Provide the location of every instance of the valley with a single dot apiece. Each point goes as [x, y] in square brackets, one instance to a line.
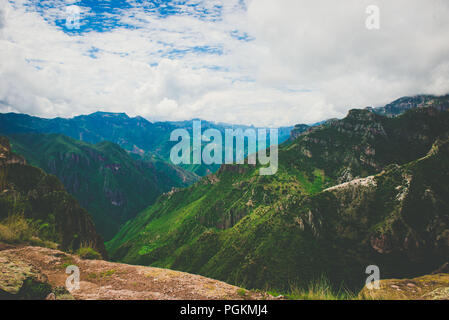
[368, 189]
[273, 231]
[104, 178]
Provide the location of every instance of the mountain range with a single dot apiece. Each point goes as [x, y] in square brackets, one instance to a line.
[367, 189]
[114, 165]
[140, 137]
[104, 178]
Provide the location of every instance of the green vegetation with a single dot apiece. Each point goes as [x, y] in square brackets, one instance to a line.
[301, 231]
[104, 179]
[35, 208]
[101, 275]
[241, 292]
[67, 261]
[145, 140]
[87, 252]
[34, 290]
[272, 231]
[17, 229]
[320, 289]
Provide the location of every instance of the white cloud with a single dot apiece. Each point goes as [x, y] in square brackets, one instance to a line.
[307, 60]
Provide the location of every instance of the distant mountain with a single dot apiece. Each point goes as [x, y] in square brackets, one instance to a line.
[50, 213]
[290, 228]
[393, 109]
[401, 105]
[298, 130]
[143, 138]
[104, 178]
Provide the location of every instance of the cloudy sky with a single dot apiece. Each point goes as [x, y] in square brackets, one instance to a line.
[261, 62]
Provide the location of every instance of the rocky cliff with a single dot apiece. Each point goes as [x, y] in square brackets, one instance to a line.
[404, 104]
[40, 201]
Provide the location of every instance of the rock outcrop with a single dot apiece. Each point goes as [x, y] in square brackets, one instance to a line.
[298, 130]
[429, 287]
[28, 192]
[41, 273]
[406, 103]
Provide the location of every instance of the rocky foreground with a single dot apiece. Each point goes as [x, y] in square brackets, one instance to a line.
[40, 273]
[429, 287]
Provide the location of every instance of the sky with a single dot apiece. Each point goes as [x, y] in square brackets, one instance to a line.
[255, 62]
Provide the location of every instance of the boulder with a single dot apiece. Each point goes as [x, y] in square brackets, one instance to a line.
[429, 287]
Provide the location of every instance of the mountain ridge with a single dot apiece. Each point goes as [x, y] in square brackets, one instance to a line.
[239, 227]
[104, 178]
[138, 136]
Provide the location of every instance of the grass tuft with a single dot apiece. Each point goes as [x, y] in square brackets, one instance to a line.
[320, 289]
[87, 252]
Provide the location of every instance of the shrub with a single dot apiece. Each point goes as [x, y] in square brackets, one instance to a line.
[34, 290]
[16, 228]
[241, 292]
[6, 234]
[88, 253]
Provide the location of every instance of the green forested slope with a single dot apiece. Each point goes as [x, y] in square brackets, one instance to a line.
[106, 181]
[142, 138]
[35, 207]
[274, 231]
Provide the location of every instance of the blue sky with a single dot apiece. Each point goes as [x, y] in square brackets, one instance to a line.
[104, 16]
[261, 62]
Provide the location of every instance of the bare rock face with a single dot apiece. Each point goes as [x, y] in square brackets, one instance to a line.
[6, 156]
[21, 280]
[381, 243]
[298, 130]
[406, 103]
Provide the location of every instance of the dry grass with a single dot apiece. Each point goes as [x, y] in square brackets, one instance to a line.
[17, 229]
[6, 234]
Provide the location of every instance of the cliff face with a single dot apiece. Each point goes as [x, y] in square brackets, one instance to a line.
[363, 143]
[298, 130]
[398, 219]
[366, 140]
[6, 156]
[41, 199]
[406, 103]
